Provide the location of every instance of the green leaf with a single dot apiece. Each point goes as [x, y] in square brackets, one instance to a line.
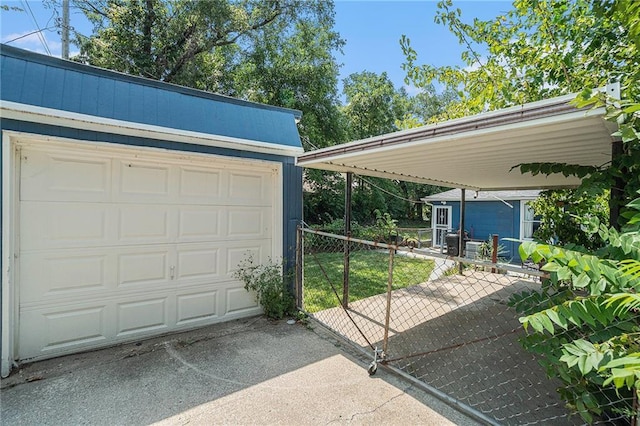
[584, 345]
[564, 273]
[550, 267]
[628, 134]
[556, 318]
[580, 311]
[546, 323]
[631, 109]
[582, 280]
[566, 313]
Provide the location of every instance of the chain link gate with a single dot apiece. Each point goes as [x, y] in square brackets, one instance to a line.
[451, 328]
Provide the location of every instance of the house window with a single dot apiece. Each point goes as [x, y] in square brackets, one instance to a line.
[530, 222]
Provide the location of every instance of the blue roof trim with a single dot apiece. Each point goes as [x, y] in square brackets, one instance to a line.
[49, 82]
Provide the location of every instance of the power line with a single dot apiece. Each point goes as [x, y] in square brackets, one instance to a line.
[35, 21]
[28, 34]
[387, 192]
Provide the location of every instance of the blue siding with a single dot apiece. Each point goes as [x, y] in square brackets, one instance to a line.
[485, 218]
[49, 82]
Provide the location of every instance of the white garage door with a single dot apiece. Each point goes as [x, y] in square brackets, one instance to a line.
[117, 244]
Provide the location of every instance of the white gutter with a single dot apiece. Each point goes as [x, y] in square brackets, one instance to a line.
[35, 114]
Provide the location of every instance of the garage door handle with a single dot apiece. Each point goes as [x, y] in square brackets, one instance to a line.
[173, 270]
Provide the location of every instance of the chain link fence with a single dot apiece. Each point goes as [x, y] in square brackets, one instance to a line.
[447, 322]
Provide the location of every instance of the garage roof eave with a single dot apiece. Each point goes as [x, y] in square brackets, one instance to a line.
[30, 113]
[481, 151]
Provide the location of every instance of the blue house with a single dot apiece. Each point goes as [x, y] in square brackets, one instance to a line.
[504, 213]
[127, 203]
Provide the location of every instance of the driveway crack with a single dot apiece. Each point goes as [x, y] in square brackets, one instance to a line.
[364, 413]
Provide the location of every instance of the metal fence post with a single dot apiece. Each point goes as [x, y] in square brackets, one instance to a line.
[299, 268]
[347, 233]
[385, 342]
[494, 251]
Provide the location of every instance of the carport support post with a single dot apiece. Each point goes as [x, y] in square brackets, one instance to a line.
[347, 233]
[494, 251]
[461, 242]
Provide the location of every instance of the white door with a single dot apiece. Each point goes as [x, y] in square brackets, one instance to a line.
[441, 223]
[116, 244]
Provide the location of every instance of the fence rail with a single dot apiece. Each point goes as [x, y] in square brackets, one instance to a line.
[447, 322]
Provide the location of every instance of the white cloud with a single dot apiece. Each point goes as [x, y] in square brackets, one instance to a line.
[29, 40]
[412, 90]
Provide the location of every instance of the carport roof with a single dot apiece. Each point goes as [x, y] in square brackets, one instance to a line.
[479, 152]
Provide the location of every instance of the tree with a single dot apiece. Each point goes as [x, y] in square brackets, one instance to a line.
[531, 53]
[374, 107]
[568, 217]
[426, 106]
[292, 65]
[528, 54]
[585, 322]
[179, 41]
[373, 104]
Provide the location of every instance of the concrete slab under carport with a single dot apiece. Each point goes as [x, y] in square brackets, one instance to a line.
[251, 371]
[457, 334]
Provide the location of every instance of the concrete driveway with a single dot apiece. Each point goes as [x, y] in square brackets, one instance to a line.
[251, 371]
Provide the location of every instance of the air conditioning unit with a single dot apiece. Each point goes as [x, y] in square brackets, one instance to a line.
[472, 249]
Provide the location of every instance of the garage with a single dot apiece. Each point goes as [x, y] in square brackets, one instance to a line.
[114, 247]
[123, 224]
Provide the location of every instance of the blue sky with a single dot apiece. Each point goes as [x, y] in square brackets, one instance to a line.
[371, 29]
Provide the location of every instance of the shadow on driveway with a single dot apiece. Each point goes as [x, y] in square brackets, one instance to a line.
[250, 371]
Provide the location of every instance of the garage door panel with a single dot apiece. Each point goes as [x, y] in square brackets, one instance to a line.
[198, 223]
[143, 267]
[142, 316]
[249, 188]
[62, 330]
[199, 185]
[238, 300]
[59, 177]
[63, 275]
[258, 251]
[142, 182]
[145, 224]
[47, 225]
[197, 307]
[248, 222]
[198, 264]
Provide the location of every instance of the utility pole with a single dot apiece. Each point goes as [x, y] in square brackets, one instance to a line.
[65, 29]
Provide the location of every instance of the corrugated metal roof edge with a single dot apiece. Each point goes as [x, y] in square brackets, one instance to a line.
[18, 53]
[516, 114]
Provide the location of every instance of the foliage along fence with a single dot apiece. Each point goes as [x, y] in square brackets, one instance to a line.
[456, 326]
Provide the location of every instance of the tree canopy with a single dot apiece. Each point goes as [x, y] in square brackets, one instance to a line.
[536, 50]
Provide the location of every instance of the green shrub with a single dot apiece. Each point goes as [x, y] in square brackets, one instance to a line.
[270, 285]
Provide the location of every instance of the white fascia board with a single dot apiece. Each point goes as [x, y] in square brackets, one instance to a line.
[31, 113]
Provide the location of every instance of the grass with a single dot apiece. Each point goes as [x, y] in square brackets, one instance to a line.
[368, 276]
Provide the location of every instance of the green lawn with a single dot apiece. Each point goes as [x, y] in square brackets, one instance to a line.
[368, 276]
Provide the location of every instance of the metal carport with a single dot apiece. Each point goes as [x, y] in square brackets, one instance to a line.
[480, 151]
